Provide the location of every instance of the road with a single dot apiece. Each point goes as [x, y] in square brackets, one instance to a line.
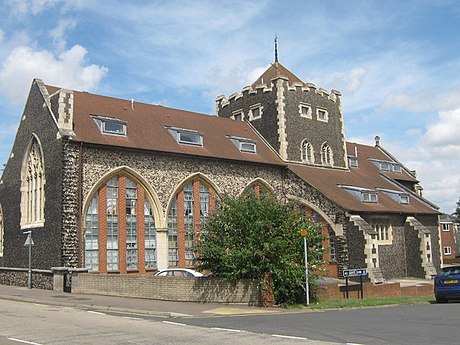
[35, 324]
[423, 324]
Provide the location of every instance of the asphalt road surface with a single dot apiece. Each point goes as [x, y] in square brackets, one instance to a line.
[423, 324]
[36, 324]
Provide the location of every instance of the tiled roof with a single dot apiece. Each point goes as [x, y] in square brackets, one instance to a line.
[366, 175]
[146, 129]
[275, 70]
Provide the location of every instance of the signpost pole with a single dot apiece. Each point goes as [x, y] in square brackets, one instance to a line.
[304, 234]
[29, 243]
[306, 270]
[362, 289]
[346, 287]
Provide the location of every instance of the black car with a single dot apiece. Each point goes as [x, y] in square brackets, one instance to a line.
[447, 284]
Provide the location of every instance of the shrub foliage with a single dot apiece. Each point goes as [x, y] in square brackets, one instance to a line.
[249, 236]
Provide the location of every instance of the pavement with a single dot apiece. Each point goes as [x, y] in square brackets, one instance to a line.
[164, 309]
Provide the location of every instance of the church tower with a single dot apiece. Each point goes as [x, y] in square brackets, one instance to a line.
[302, 123]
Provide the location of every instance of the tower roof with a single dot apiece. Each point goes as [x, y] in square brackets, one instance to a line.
[276, 70]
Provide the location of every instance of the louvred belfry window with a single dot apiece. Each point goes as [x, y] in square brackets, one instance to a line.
[120, 233]
[190, 208]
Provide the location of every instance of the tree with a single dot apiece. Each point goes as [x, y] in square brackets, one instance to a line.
[456, 214]
[248, 237]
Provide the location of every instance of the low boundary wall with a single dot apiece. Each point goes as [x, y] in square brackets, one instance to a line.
[41, 279]
[370, 290]
[187, 289]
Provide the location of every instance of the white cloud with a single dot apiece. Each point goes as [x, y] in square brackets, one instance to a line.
[67, 69]
[34, 7]
[444, 132]
[58, 33]
[436, 157]
[351, 81]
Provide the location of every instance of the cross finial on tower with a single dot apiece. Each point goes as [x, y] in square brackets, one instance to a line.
[276, 48]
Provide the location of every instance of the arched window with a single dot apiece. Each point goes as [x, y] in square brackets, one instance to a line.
[189, 208]
[2, 232]
[120, 232]
[307, 152]
[33, 186]
[258, 189]
[326, 155]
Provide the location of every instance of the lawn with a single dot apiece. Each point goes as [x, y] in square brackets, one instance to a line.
[368, 302]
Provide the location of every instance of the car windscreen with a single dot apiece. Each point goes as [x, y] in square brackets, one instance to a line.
[450, 271]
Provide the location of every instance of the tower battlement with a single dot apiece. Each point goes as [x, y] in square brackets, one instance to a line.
[302, 122]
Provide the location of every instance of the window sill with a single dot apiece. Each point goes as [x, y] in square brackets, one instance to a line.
[33, 225]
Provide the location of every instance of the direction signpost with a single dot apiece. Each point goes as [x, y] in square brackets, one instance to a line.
[29, 243]
[357, 272]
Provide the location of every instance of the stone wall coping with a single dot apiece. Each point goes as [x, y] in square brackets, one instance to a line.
[19, 269]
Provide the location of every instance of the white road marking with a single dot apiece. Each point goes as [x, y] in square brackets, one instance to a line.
[96, 312]
[131, 318]
[227, 329]
[175, 323]
[24, 341]
[40, 305]
[288, 337]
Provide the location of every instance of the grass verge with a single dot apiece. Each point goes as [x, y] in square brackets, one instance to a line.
[365, 302]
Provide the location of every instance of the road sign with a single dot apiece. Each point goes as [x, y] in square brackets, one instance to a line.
[357, 272]
[303, 233]
[29, 241]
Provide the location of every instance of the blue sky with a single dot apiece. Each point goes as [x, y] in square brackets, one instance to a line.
[397, 63]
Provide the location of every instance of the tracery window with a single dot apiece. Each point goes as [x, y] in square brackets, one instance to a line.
[307, 152]
[120, 233]
[33, 187]
[326, 155]
[190, 208]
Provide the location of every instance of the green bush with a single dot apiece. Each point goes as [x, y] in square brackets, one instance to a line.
[249, 236]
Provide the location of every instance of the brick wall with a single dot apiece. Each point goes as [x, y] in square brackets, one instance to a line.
[334, 290]
[186, 289]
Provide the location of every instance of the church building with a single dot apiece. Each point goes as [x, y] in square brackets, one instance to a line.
[117, 186]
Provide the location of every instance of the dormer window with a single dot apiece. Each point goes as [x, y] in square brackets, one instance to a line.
[386, 165]
[352, 161]
[305, 110]
[363, 194]
[186, 136]
[367, 196]
[322, 115]
[255, 112]
[398, 196]
[110, 126]
[243, 144]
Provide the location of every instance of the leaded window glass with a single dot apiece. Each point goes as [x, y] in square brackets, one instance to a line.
[150, 236]
[173, 252]
[92, 236]
[131, 225]
[112, 224]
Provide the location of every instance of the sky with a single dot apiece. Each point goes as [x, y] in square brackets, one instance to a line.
[396, 63]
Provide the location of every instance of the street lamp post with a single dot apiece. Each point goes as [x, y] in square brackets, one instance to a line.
[304, 234]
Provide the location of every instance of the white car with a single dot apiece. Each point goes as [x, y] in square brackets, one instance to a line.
[178, 272]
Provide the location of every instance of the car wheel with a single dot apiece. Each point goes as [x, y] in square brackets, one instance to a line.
[440, 300]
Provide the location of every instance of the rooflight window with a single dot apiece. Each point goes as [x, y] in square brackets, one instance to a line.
[190, 138]
[110, 126]
[243, 144]
[186, 136]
